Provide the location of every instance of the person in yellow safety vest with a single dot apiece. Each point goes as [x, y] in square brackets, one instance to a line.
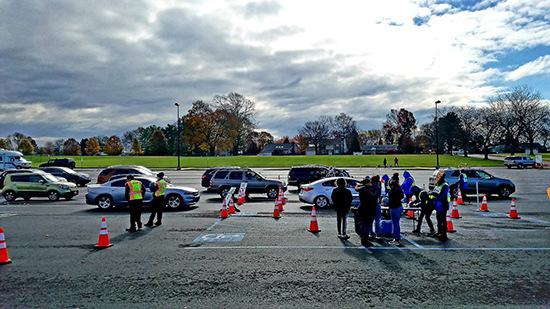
[425, 202]
[134, 192]
[441, 202]
[159, 191]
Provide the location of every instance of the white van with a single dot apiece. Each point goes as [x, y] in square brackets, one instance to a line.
[12, 159]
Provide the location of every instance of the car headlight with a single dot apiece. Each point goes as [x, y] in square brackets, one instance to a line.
[63, 187]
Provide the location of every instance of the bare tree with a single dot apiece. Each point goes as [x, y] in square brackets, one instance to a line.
[316, 131]
[343, 126]
[470, 121]
[243, 110]
[486, 134]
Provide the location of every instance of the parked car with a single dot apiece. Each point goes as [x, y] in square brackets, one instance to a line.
[12, 171]
[65, 162]
[114, 170]
[487, 183]
[302, 174]
[519, 161]
[111, 194]
[205, 180]
[80, 179]
[224, 179]
[319, 192]
[37, 184]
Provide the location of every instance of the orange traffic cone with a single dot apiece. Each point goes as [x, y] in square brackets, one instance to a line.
[103, 241]
[276, 213]
[313, 226]
[460, 201]
[231, 209]
[455, 214]
[450, 228]
[241, 196]
[224, 214]
[484, 204]
[280, 199]
[4, 259]
[410, 213]
[423, 186]
[513, 210]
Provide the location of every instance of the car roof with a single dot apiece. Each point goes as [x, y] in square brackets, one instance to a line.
[310, 166]
[137, 177]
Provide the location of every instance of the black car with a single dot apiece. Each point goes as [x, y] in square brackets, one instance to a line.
[80, 179]
[65, 162]
[302, 174]
[205, 180]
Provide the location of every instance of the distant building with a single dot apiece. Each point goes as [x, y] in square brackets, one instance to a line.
[379, 149]
[331, 147]
[279, 149]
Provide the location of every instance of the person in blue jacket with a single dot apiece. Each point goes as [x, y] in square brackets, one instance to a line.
[441, 203]
[408, 182]
[462, 184]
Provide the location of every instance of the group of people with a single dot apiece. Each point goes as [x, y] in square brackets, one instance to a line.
[135, 192]
[373, 192]
[395, 162]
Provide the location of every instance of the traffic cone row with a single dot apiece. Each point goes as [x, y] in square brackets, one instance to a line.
[4, 258]
[513, 210]
[460, 201]
[103, 241]
[450, 223]
[313, 225]
[454, 213]
[241, 196]
[484, 204]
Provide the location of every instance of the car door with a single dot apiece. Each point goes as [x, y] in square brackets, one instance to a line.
[20, 184]
[148, 198]
[116, 191]
[487, 183]
[38, 186]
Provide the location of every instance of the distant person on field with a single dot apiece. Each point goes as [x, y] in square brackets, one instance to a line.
[395, 161]
[158, 189]
[385, 162]
[134, 192]
[341, 198]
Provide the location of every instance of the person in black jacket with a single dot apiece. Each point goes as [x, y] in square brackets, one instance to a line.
[366, 209]
[396, 208]
[134, 192]
[341, 198]
[425, 202]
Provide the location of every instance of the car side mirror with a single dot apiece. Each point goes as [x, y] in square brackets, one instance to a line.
[41, 181]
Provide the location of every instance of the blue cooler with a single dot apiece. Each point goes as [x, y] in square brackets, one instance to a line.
[386, 227]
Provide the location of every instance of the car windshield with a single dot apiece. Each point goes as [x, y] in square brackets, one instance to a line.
[50, 178]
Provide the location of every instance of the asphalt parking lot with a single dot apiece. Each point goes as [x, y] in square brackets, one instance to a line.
[250, 260]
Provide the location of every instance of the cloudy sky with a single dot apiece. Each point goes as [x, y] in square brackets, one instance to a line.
[84, 68]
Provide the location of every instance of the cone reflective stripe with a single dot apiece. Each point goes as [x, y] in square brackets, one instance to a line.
[313, 226]
[460, 201]
[276, 213]
[484, 203]
[241, 196]
[280, 199]
[513, 210]
[282, 196]
[231, 209]
[224, 213]
[103, 241]
[4, 258]
[455, 214]
[450, 223]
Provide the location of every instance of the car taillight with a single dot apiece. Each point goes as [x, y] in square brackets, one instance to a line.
[210, 182]
[307, 188]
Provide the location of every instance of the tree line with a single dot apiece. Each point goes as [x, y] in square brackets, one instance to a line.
[227, 126]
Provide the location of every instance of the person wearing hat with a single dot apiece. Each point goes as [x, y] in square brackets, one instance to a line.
[134, 192]
[158, 189]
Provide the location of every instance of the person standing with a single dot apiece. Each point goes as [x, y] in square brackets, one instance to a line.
[341, 198]
[158, 189]
[366, 209]
[441, 203]
[406, 186]
[425, 202]
[377, 192]
[395, 197]
[385, 163]
[395, 161]
[134, 193]
[462, 184]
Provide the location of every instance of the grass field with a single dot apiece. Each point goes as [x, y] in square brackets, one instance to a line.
[282, 161]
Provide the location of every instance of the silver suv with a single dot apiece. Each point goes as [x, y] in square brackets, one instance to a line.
[519, 161]
[224, 179]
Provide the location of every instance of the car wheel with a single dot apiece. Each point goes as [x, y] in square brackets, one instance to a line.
[504, 192]
[223, 191]
[520, 166]
[26, 198]
[105, 202]
[508, 166]
[272, 192]
[69, 196]
[321, 201]
[53, 195]
[10, 196]
[174, 201]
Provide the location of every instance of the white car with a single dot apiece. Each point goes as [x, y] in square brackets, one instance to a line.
[319, 192]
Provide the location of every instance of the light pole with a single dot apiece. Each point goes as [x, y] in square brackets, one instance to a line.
[178, 129]
[436, 136]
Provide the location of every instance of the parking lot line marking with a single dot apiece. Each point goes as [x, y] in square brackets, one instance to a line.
[215, 223]
[362, 248]
[411, 241]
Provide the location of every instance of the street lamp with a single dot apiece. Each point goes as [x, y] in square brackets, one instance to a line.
[178, 129]
[436, 136]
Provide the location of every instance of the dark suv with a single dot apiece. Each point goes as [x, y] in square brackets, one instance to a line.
[80, 179]
[487, 183]
[302, 174]
[224, 179]
[65, 162]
